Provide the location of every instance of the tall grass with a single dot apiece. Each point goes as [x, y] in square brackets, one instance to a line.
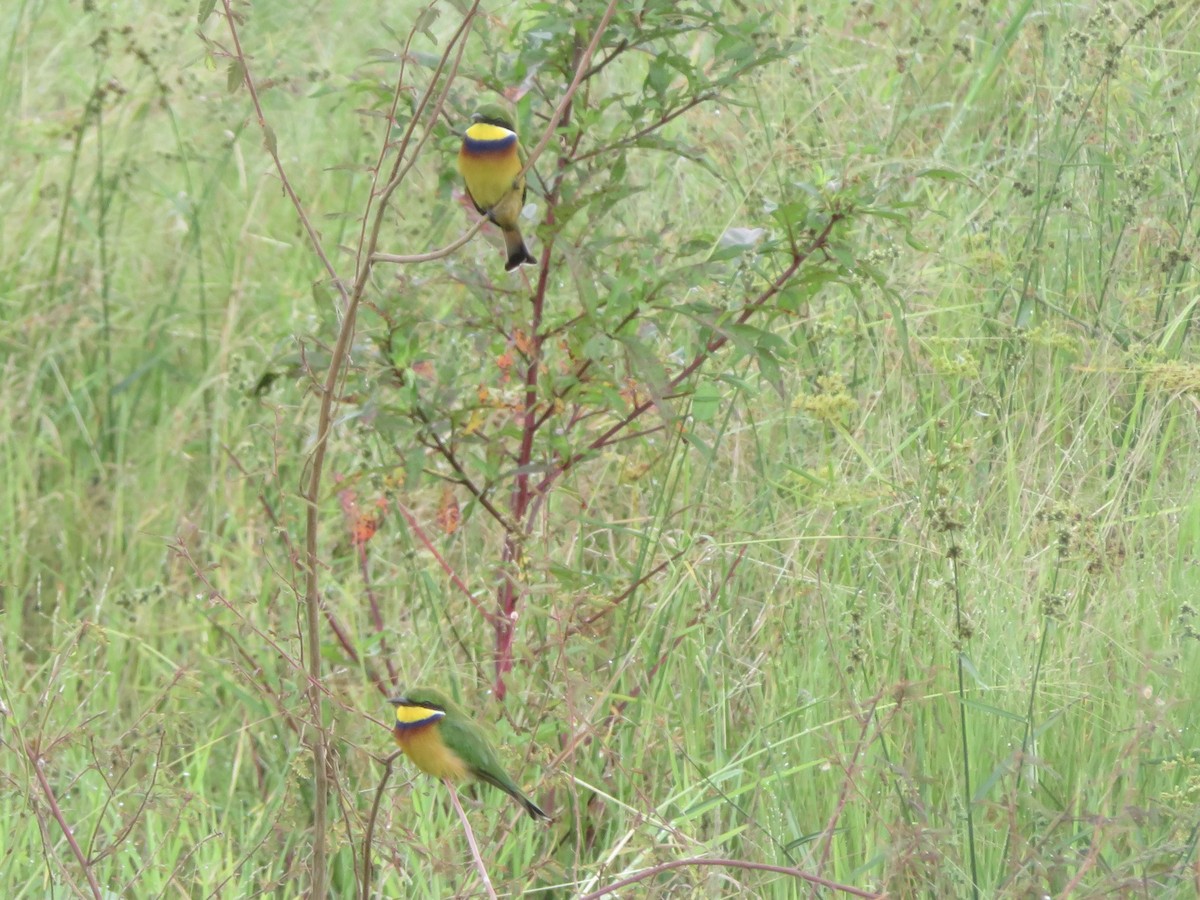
[938, 514]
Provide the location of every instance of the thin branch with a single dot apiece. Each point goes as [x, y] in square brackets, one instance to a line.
[432, 254]
[488, 617]
[400, 170]
[581, 73]
[615, 601]
[711, 346]
[272, 150]
[464, 477]
[482, 869]
[369, 832]
[702, 97]
[851, 769]
[38, 763]
[584, 732]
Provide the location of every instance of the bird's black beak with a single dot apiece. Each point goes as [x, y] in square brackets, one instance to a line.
[398, 701]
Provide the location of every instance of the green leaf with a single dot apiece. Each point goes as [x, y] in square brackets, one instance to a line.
[206, 8]
[706, 400]
[424, 23]
[322, 296]
[993, 710]
[699, 445]
[659, 75]
[414, 466]
[938, 174]
[970, 669]
[769, 367]
[650, 372]
[235, 76]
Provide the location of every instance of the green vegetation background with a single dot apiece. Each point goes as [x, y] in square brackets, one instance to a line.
[940, 513]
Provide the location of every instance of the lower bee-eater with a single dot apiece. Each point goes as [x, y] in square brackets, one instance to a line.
[443, 741]
[490, 162]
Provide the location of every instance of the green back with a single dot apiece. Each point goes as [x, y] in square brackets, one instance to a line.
[466, 738]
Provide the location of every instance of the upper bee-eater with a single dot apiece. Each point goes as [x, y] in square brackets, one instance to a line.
[490, 163]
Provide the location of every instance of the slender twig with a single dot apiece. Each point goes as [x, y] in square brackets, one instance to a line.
[581, 73]
[38, 763]
[851, 769]
[432, 254]
[146, 792]
[731, 864]
[711, 346]
[968, 800]
[272, 150]
[446, 567]
[614, 602]
[586, 731]
[487, 882]
[369, 832]
[464, 478]
[400, 168]
[702, 97]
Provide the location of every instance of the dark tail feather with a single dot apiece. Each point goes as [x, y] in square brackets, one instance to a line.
[535, 812]
[518, 253]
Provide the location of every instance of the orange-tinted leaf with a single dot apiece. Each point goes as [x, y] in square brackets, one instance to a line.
[523, 341]
[448, 517]
[364, 529]
[360, 524]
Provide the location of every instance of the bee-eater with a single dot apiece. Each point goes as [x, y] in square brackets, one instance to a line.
[443, 741]
[490, 163]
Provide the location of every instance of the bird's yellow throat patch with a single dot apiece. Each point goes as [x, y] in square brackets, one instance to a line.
[489, 141]
[482, 131]
[412, 717]
[419, 737]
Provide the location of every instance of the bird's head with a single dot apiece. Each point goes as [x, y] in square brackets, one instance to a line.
[493, 114]
[420, 707]
[423, 697]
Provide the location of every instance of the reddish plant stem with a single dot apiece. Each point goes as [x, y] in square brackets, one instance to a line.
[620, 598]
[851, 768]
[37, 761]
[514, 541]
[441, 560]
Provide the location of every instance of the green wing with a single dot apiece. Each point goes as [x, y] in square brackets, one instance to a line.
[467, 739]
